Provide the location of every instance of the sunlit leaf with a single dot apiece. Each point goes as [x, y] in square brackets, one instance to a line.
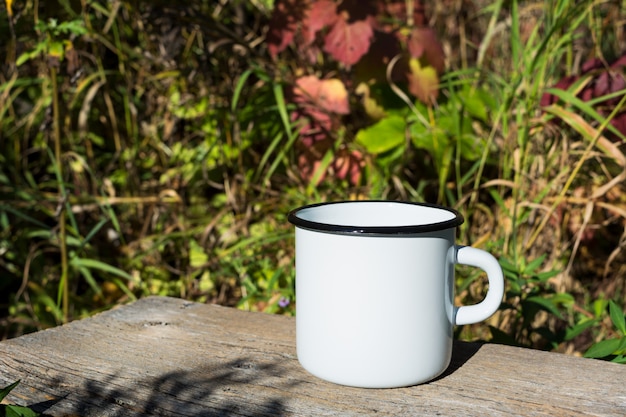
[197, 255]
[370, 105]
[617, 317]
[56, 50]
[604, 348]
[329, 95]
[384, 135]
[423, 81]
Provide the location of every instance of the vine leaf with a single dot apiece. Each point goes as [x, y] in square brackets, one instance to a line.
[423, 43]
[347, 41]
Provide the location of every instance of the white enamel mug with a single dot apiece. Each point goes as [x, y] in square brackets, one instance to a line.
[375, 291]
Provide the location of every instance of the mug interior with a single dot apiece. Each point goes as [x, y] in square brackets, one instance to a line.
[375, 217]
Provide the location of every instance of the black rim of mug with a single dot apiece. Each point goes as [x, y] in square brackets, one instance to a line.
[299, 222]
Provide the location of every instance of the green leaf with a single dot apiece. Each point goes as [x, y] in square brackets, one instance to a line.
[471, 146]
[572, 332]
[56, 50]
[544, 276]
[534, 264]
[507, 265]
[240, 85]
[124, 289]
[52, 306]
[19, 411]
[547, 304]
[562, 298]
[570, 98]
[474, 106]
[93, 232]
[619, 359]
[383, 136]
[23, 216]
[5, 391]
[599, 307]
[197, 255]
[86, 273]
[617, 317]
[604, 348]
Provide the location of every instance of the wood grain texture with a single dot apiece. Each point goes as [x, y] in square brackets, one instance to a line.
[169, 357]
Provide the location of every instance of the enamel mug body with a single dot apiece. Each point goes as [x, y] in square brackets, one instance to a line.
[375, 291]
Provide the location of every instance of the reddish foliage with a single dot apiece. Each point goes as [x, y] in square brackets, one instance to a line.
[347, 165]
[285, 21]
[320, 106]
[350, 27]
[348, 42]
[323, 13]
[362, 35]
[320, 102]
[423, 42]
[603, 79]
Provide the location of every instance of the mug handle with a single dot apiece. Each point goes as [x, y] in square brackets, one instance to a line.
[466, 255]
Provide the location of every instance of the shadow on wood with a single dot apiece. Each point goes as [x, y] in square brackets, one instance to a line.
[206, 391]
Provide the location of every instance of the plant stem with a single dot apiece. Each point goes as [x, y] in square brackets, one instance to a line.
[61, 212]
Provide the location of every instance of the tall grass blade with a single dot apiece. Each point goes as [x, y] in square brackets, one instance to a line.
[99, 265]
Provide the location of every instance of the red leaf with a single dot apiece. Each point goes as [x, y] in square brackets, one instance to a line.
[607, 82]
[284, 23]
[329, 95]
[563, 84]
[314, 125]
[619, 121]
[319, 104]
[348, 164]
[592, 64]
[308, 165]
[348, 42]
[322, 13]
[620, 63]
[423, 43]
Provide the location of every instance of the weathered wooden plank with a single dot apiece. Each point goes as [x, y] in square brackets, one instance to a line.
[169, 357]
